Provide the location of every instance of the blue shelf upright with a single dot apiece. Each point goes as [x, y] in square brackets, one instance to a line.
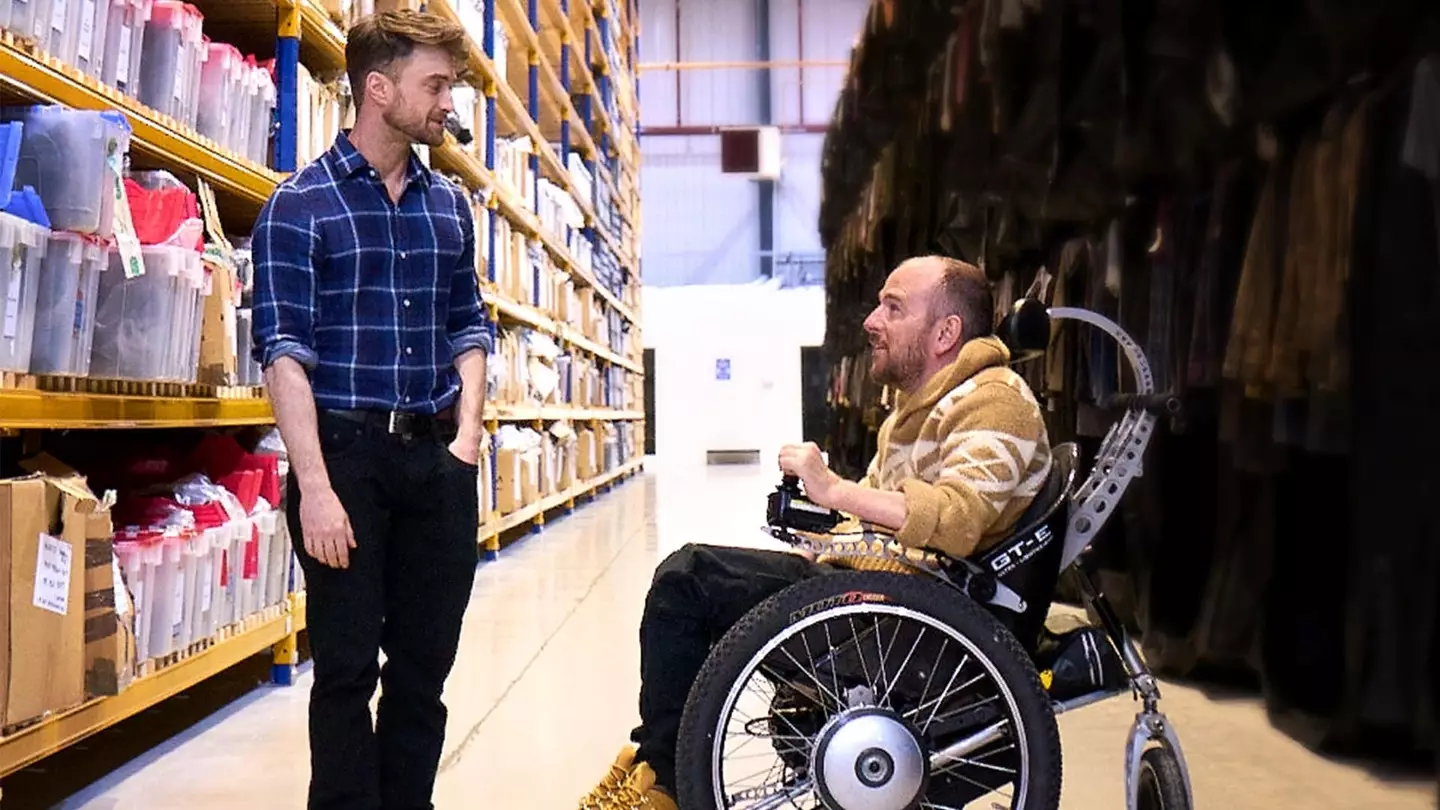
[287, 86]
[565, 85]
[533, 12]
[491, 213]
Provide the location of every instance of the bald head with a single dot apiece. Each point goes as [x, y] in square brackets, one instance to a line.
[957, 288]
[930, 307]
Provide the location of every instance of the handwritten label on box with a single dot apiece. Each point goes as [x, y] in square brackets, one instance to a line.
[52, 575]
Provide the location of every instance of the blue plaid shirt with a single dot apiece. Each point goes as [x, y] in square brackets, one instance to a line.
[375, 300]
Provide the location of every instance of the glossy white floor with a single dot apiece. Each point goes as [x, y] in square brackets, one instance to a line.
[544, 692]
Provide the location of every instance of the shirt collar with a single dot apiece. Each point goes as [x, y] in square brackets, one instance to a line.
[348, 160]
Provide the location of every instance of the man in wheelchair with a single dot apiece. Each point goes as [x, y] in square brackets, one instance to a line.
[961, 460]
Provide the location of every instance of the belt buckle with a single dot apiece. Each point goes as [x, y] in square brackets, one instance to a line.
[400, 423]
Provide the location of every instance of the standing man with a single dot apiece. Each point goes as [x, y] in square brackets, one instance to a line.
[369, 326]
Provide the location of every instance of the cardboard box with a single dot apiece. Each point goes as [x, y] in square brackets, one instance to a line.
[486, 492]
[110, 649]
[585, 457]
[549, 468]
[565, 477]
[44, 521]
[218, 360]
[588, 323]
[530, 478]
[509, 495]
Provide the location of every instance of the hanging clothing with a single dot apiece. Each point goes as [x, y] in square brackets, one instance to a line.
[1393, 559]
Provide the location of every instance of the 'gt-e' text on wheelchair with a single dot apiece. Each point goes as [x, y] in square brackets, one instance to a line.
[867, 690]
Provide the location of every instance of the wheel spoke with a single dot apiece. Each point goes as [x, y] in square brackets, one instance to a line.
[885, 699]
[765, 742]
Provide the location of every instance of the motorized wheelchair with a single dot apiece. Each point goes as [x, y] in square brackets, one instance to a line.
[883, 690]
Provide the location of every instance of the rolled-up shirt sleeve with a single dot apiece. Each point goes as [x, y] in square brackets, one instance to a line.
[468, 326]
[284, 246]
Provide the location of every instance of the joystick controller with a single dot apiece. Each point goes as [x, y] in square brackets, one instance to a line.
[788, 509]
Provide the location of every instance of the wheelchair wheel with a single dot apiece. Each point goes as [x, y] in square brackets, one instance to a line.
[1162, 783]
[868, 691]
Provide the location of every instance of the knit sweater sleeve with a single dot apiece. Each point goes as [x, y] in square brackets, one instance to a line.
[987, 442]
[872, 474]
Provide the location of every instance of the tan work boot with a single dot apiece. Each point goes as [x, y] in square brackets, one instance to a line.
[639, 793]
[619, 771]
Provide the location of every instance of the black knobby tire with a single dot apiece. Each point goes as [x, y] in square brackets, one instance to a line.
[1162, 782]
[729, 658]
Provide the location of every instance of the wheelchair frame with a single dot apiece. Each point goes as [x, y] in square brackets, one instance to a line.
[1118, 462]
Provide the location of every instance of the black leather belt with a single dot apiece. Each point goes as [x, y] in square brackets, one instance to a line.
[397, 423]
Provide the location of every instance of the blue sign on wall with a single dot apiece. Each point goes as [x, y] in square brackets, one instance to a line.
[722, 369]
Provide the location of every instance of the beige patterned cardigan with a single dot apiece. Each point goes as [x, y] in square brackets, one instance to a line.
[970, 452]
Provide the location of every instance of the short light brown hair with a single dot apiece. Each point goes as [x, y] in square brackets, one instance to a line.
[965, 291]
[378, 41]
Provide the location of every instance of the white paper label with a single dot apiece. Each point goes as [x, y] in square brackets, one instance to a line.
[87, 29]
[122, 70]
[207, 592]
[10, 327]
[125, 239]
[179, 77]
[178, 603]
[58, 14]
[52, 575]
[122, 594]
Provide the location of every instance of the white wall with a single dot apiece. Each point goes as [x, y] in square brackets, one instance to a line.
[760, 330]
[831, 29]
[701, 226]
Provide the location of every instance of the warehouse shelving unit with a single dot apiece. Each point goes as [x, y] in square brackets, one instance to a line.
[577, 88]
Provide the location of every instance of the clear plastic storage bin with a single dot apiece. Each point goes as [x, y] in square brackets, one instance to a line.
[153, 568]
[90, 39]
[139, 579]
[124, 45]
[30, 19]
[64, 154]
[166, 58]
[248, 371]
[148, 327]
[65, 305]
[22, 246]
[60, 36]
[261, 111]
[212, 582]
[221, 96]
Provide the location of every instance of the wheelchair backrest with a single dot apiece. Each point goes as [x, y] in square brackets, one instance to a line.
[1028, 562]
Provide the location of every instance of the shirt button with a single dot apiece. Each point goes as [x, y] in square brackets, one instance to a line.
[403, 254]
[407, 303]
[409, 350]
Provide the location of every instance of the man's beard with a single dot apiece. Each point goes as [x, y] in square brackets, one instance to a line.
[897, 369]
[418, 131]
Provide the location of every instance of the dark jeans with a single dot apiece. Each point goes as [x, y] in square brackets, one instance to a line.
[697, 594]
[413, 507]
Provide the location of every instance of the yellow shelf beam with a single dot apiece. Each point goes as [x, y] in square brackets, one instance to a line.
[322, 43]
[22, 410]
[27, 409]
[30, 745]
[160, 138]
[555, 413]
[491, 531]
